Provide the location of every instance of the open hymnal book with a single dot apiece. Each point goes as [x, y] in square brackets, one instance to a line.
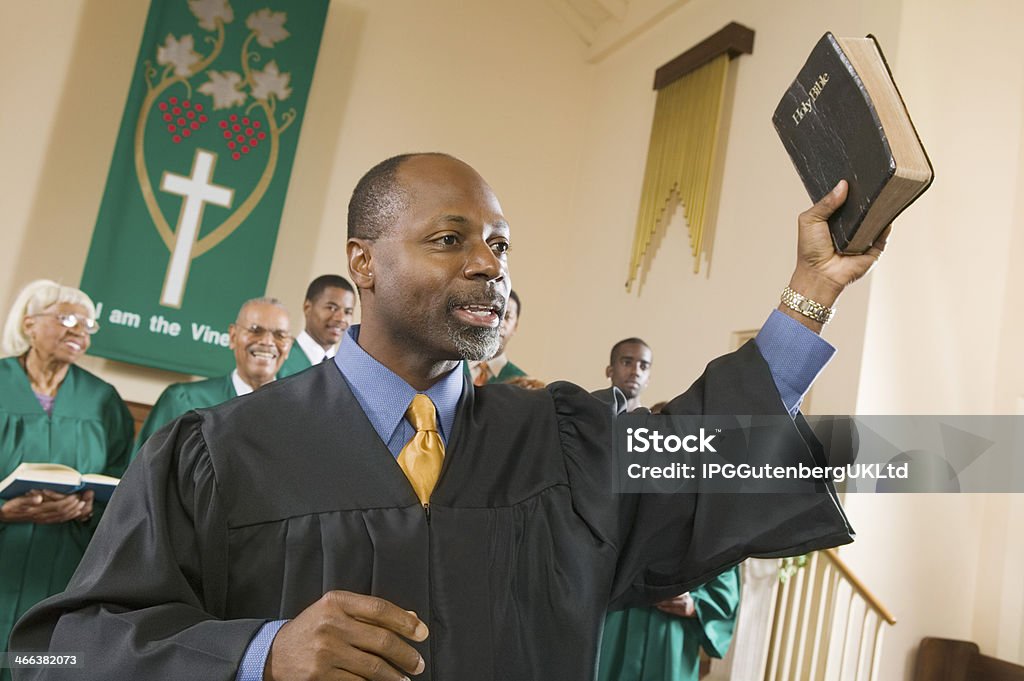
[55, 477]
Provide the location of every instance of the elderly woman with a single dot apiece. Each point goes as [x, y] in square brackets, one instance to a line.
[51, 411]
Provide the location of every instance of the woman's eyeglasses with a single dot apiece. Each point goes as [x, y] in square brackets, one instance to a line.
[70, 321]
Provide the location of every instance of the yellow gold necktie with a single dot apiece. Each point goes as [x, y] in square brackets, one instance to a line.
[422, 456]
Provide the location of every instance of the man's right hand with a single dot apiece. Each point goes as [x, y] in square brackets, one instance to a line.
[680, 606]
[347, 636]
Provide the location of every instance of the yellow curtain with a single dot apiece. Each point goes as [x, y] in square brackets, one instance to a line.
[680, 157]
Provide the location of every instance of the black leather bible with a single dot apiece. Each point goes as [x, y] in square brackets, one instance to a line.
[843, 118]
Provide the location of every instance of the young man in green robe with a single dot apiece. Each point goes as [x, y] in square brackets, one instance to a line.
[328, 308]
[261, 342]
[663, 643]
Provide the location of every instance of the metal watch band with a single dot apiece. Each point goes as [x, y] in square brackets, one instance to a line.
[806, 306]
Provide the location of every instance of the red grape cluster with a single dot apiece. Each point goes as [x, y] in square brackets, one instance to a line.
[242, 134]
[182, 117]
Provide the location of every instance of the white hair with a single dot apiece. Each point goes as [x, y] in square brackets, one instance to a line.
[262, 300]
[33, 299]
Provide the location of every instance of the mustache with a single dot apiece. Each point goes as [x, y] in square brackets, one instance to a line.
[253, 347]
[493, 300]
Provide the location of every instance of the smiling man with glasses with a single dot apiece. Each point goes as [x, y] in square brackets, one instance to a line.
[260, 339]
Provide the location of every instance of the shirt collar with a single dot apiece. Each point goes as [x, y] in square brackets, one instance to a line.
[313, 350]
[241, 387]
[385, 397]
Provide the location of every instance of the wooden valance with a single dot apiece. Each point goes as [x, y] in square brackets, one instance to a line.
[684, 140]
[733, 40]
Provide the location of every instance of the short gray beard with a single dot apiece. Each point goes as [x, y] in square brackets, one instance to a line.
[474, 343]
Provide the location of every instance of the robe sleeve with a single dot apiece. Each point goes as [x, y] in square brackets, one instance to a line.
[671, 543]
[148, 598]
[120, 430]
[716, 603]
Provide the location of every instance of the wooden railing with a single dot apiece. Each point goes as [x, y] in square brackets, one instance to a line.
[827, 625]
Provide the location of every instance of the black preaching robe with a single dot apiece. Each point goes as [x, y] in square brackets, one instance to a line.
[251, 510]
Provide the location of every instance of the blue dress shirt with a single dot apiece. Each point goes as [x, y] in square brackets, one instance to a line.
[385, 397]
[795, 356]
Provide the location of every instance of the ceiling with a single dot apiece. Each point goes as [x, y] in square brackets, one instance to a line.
[605, 25]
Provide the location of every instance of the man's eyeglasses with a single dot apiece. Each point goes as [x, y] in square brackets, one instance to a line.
[70, 321]
[280, 335]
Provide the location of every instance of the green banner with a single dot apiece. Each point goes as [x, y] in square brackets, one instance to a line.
[189, 217]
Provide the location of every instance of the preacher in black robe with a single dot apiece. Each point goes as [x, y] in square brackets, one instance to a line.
[252, 510]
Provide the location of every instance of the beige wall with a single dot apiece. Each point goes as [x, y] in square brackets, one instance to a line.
[944, 330]
[25, 127]
[1009, 394]
[939, 302]
[506, 86]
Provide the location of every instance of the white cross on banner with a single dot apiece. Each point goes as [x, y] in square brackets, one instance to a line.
[197, 190]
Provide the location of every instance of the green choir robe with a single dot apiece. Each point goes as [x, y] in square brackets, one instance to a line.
[297, 361]
[179, 398]
[507, 373]
[91, 431]
[646, 644]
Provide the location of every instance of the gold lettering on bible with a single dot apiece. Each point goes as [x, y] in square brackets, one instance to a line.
[807, 105]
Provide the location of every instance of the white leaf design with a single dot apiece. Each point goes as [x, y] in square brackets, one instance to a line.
[180, 53]
[224, 88]
[208, 11]
[271, 82]
[268, 26]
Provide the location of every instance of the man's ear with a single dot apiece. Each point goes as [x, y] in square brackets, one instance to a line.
[608, 371]
[232, 336]
[360, 262]
[306, 306]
